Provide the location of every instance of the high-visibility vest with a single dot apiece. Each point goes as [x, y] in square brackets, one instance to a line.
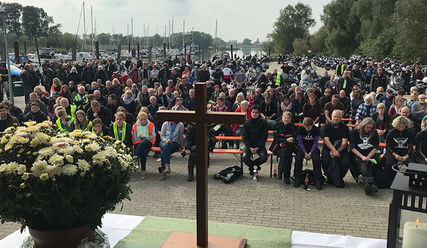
[278, 79]
[116, 133]
[101, 134]
[73, 109]
[59, 125]
[151, 129]
[342, 69]
[88, 127]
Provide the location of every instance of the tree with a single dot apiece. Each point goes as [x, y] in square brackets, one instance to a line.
[410, 21]
[70, 40]
[268, 46]
[104, 39]
[300, 46]
[317, 41]
[54, 37]
[36, 23]
[13, 17]
[219, 43]
[247, 42]
[292, 23]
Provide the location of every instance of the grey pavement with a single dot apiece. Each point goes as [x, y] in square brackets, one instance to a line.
[268, 202]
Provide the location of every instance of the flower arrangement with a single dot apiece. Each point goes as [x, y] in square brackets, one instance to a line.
[51, 181]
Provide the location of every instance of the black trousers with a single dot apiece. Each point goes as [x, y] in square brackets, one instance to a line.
[247, 158]
[386, 175]
[367, 169]
[343, 161]
[192, 161]
[315, 158]
[285, 155]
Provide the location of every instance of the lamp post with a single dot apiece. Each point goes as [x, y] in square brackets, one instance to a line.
[3, 12]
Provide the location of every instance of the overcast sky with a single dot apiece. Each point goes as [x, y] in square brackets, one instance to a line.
[237, 19]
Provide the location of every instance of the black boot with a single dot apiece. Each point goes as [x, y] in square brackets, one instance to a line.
[190, 174]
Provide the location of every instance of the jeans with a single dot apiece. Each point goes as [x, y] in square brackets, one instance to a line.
[247, 158]
[167, 150]
[141, 150]
[239, 132]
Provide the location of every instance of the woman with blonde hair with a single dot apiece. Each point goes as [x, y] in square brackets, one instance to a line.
[121, 130]
[63, 123]
[143, 138]
[396, 106]
[398, 146]
[364, 142]
[81, 122]
[239, 98]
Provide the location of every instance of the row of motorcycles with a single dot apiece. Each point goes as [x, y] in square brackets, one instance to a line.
[393, 70]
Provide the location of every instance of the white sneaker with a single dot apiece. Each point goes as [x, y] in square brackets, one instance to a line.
[159, 159]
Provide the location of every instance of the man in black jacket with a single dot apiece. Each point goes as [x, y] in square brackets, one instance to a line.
[254, 136]
[379, 79]
[98, 111]
[6, 120]
[30, 80]
[88, 74]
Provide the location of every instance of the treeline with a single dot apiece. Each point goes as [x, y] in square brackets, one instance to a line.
[373, 28]
[28, 24]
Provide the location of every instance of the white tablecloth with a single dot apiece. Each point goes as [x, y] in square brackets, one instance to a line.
[118, 226]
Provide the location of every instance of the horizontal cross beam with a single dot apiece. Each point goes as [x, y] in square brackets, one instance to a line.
[209, 117]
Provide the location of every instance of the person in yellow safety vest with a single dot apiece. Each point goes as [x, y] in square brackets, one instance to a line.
[339, 70]
[71, 109]
[63, 122]
[98, 128]
[81, 98]
[121, 130]
[276, 78]
[143, 138]
[81, 122]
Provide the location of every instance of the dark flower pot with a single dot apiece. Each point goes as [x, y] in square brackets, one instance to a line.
[68, 238]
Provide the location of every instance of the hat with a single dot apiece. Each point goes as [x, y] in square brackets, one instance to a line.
[389, 91]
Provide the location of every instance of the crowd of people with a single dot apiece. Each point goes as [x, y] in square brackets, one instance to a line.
[93, 96]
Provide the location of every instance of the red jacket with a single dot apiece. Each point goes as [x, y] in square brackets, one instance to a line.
[248, 115]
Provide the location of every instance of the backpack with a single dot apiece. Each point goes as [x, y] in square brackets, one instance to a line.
[307, 177]
[229, 174]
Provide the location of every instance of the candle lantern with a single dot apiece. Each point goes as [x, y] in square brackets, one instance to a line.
[409, 197]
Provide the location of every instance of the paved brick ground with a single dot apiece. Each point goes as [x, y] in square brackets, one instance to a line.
[267, 202]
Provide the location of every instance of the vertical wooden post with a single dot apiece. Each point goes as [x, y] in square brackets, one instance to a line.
[164, 50]
[37, 50]
[16, 46]
[231, 46]
[150, 53]
[74, 53]
[119, 51]
[202, 170]
[137, 48]
[97, 49]
[129, 47]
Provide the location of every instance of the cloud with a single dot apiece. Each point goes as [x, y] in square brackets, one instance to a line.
[179, 8]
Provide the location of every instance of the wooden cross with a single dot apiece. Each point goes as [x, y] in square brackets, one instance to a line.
[202, 118]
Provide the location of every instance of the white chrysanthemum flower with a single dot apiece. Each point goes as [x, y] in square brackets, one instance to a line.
[10, 129]
[76, 133]
[14, 139]
[69, 169]
[92, 147]
[30, 123]
[69, 158]
[5, 139]
[68, 150]
[54, 170]
[23, 140]
[44, 176]
[21, 169]
[33, 129]
[99, 158]
[25, 176]
[111, 151]
[89, 135]
[8, 146]
[39, 167]
[123, 163]
[12, 167]
[45, 124]
[46, 152]
[56, 159]
[85, 141]
[78, 149]
[3, 168]
[44, 138]
[35, 142]
[83, 165]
